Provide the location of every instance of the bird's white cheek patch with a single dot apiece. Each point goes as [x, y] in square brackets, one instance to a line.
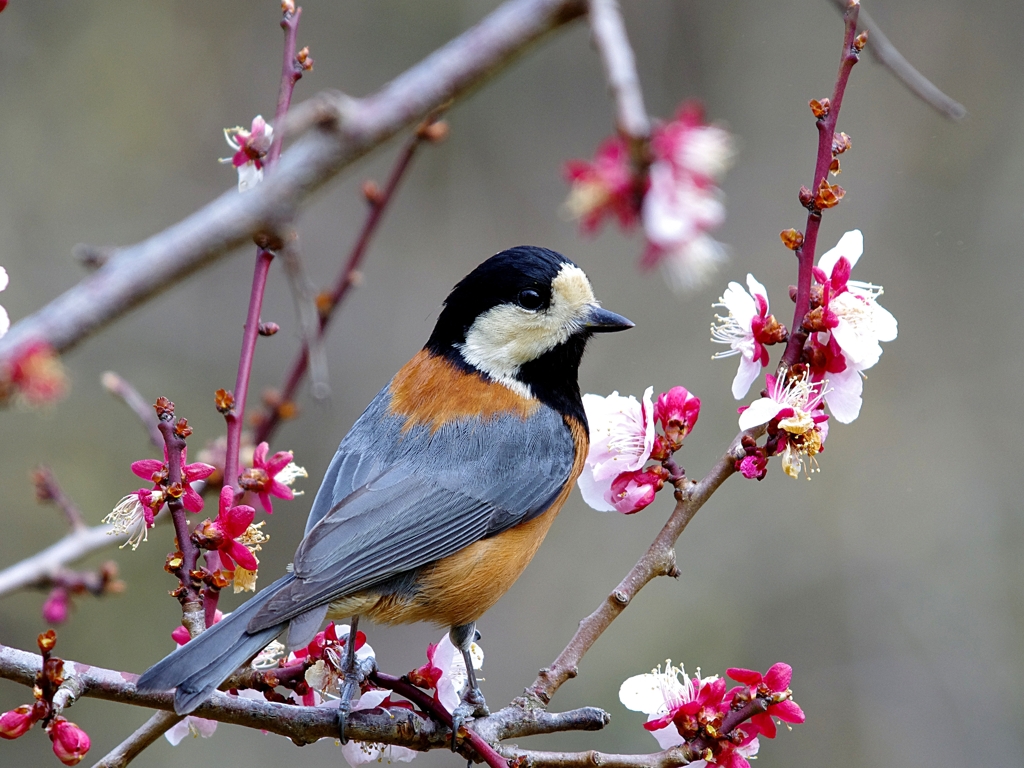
[507, 336]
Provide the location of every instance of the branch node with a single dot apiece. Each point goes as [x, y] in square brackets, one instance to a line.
[620, 597]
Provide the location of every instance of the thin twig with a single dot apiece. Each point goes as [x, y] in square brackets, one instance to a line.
[826, 133]
[890, 58]
[484, 750]
[347, 130]
[620, 67]
[291, 72]
[40, 568]
[132, 747]
[271, 418]
[304, 297]
[47, 489]
[529, 758]
[122, 388]
[659, 560]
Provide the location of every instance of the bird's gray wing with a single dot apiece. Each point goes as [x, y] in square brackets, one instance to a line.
[396, 499]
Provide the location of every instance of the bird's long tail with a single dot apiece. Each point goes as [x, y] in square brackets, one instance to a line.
[197, 668]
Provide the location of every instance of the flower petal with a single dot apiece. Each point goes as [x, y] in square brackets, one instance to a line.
[850, 245]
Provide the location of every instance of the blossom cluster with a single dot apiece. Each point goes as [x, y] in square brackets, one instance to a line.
[623, 439]
[314, 676]
[716, 725]
[844, 328]
[70, 742]
[678, 200]
[233, 534]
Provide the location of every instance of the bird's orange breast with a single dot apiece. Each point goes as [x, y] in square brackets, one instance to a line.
[430, 390]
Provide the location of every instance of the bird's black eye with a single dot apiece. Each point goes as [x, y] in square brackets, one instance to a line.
[530, 299]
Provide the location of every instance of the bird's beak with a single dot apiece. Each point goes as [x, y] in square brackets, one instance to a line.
[602, 321]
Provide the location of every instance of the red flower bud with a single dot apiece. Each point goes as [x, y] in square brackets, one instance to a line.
[17, 722]
[70, 743]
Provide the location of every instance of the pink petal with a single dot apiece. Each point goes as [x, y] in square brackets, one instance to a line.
[789, 711]
[746, 676]
[240, 555]
[146, 468]
[778, 677]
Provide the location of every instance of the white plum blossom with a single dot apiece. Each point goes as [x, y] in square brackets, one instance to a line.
[660, 694]
[250, 148]
[797, 404]
[856, 324]
[194, 726]
[861, 321]
[361, 752]
[621, 440]
[744, 331]
[454, 677]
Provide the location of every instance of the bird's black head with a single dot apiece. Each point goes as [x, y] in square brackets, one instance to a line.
[523, 318]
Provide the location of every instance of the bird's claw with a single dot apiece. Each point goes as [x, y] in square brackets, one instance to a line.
[354, 678]
[472, 706]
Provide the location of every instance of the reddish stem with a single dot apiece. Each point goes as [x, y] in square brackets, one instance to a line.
[826, 131]
[439, 713]
[188, 595]
[291, 72]
[271, 419]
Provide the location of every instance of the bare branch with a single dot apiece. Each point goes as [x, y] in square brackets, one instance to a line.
[42, 567]
[890, 58]
[348, 129]
[132, 747]
[47, 489]
[670, 758]
[659, 560]
[620, 67]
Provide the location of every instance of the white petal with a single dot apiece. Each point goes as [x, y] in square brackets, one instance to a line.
[249, 176]
[756, 288]
[885, 324]
[740, 304]
[359, 753]
[863, 350]
[371, 699]
[850, 245]
[843, 396]
[669, 737]
[648, 692]
[746, 374]
[4, 279]
[5, 321]
[448, 659]
[760, 412]
[177, 732]
[593, 491]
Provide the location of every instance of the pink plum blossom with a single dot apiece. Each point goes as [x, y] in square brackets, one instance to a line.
[676, 412]
[793, 405]
[155, 471]
[621, 439]
[773, 684]
[684, 202]
[747, 329]
[603, 188]
[223, 534]
[271, 477]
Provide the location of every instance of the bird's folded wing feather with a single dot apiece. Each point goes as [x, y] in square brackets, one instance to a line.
[395, 499]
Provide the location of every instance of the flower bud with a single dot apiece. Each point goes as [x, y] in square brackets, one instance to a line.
[70, 743]
[677, 411]
[17, 722]
[792, 238]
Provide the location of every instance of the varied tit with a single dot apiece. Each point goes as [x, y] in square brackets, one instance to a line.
[444, 488]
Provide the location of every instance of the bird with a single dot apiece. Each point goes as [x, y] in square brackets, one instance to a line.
[444, 488]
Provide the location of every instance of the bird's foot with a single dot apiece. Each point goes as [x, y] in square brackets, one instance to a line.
[354, 678]
[472, 706]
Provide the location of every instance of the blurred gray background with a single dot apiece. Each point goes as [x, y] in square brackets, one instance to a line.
[891, 581]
